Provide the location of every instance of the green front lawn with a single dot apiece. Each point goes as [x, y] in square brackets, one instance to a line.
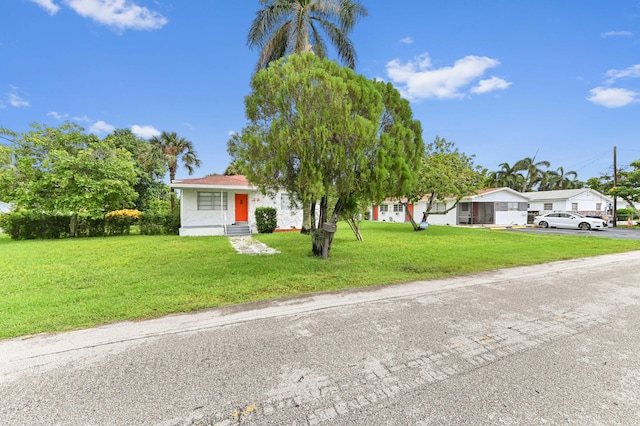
[55, 285]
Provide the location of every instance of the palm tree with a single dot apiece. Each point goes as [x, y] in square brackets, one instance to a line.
[283, 27]
[533, 172]
[175, 151]
[564, 182]
[507, 176]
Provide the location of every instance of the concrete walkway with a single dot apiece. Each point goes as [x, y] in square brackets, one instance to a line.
[247, 245]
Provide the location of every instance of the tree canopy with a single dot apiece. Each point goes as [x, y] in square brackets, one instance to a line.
[628, 186]
[63, 170]
[316, 131]
[445, 173]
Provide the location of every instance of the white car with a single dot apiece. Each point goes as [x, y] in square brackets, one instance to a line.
[569, 220]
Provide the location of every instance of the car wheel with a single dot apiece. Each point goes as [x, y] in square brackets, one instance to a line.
[543, 224]
[584, 226]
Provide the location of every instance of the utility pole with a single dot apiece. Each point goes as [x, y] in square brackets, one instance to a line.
[615, 183]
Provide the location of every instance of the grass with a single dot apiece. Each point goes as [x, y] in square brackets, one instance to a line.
[56, 285]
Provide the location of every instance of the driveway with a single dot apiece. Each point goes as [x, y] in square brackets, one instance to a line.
[546, 344]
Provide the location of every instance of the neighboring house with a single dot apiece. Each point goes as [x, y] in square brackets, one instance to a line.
[495, 206]
[585, 201]
[225, 205]
[4, 207]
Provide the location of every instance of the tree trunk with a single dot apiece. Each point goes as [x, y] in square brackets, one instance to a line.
[353, 224]
[73, 225]
[416, 227]
[306, 219]
[322, 240]
[318, 236]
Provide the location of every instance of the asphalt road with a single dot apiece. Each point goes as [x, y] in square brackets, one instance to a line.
[550, 344]
[618, 232]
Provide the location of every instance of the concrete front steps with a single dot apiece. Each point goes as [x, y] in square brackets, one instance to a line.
[239, 229]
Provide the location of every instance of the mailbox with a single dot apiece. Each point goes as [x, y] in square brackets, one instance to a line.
[329, 227]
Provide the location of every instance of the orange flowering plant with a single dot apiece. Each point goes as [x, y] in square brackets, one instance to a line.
[118, 222]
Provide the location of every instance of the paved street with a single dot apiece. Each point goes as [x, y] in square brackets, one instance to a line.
[548, 344]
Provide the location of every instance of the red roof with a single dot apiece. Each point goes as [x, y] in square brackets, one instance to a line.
[217, 180]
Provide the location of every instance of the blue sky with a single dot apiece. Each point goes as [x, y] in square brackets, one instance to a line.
[503, 79]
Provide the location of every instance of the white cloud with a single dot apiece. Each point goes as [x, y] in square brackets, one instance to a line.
[418, 79]
[57, 116]
[100, 127]
[17, 101]
[120, 14]
[145, 132]
[407, 40]
[613, 97]
[83, 119]
[631, 72]
[494, 83]
[616, 34]
[47, 5]
[232, 132]
[616, 97]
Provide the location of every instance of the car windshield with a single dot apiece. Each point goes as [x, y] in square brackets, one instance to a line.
[577, 215]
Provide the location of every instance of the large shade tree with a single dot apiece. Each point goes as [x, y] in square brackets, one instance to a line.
[446, 176]
[283, 27]
[149, 165]
[66, 171]
[315, 131]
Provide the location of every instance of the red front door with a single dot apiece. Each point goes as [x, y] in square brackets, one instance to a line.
[242, 208]
[375, 212]
[407, 218]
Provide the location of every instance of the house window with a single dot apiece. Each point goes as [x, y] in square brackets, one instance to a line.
[598, 206]
[398, 208]
[285, 202]
[438, 208]
[384, 208]
[513, 207]
[548, 206]
[212, 201]
[574, 207]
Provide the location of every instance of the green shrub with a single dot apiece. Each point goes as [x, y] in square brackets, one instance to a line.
[29, 225]
[266, 219]
[3, 218]
[90, 226]
[625, 214]
[159, 223]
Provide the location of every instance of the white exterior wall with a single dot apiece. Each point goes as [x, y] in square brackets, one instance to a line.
[288, 218]
[586, 202]
[194, 222]
[434, 219]
[538, 206]
[511, 218]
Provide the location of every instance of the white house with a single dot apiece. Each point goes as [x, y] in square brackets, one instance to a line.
[5, 207]
[585, 201]
[495, 206]
[225, 205]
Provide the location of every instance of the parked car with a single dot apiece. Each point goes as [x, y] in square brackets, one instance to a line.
[568, 220]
